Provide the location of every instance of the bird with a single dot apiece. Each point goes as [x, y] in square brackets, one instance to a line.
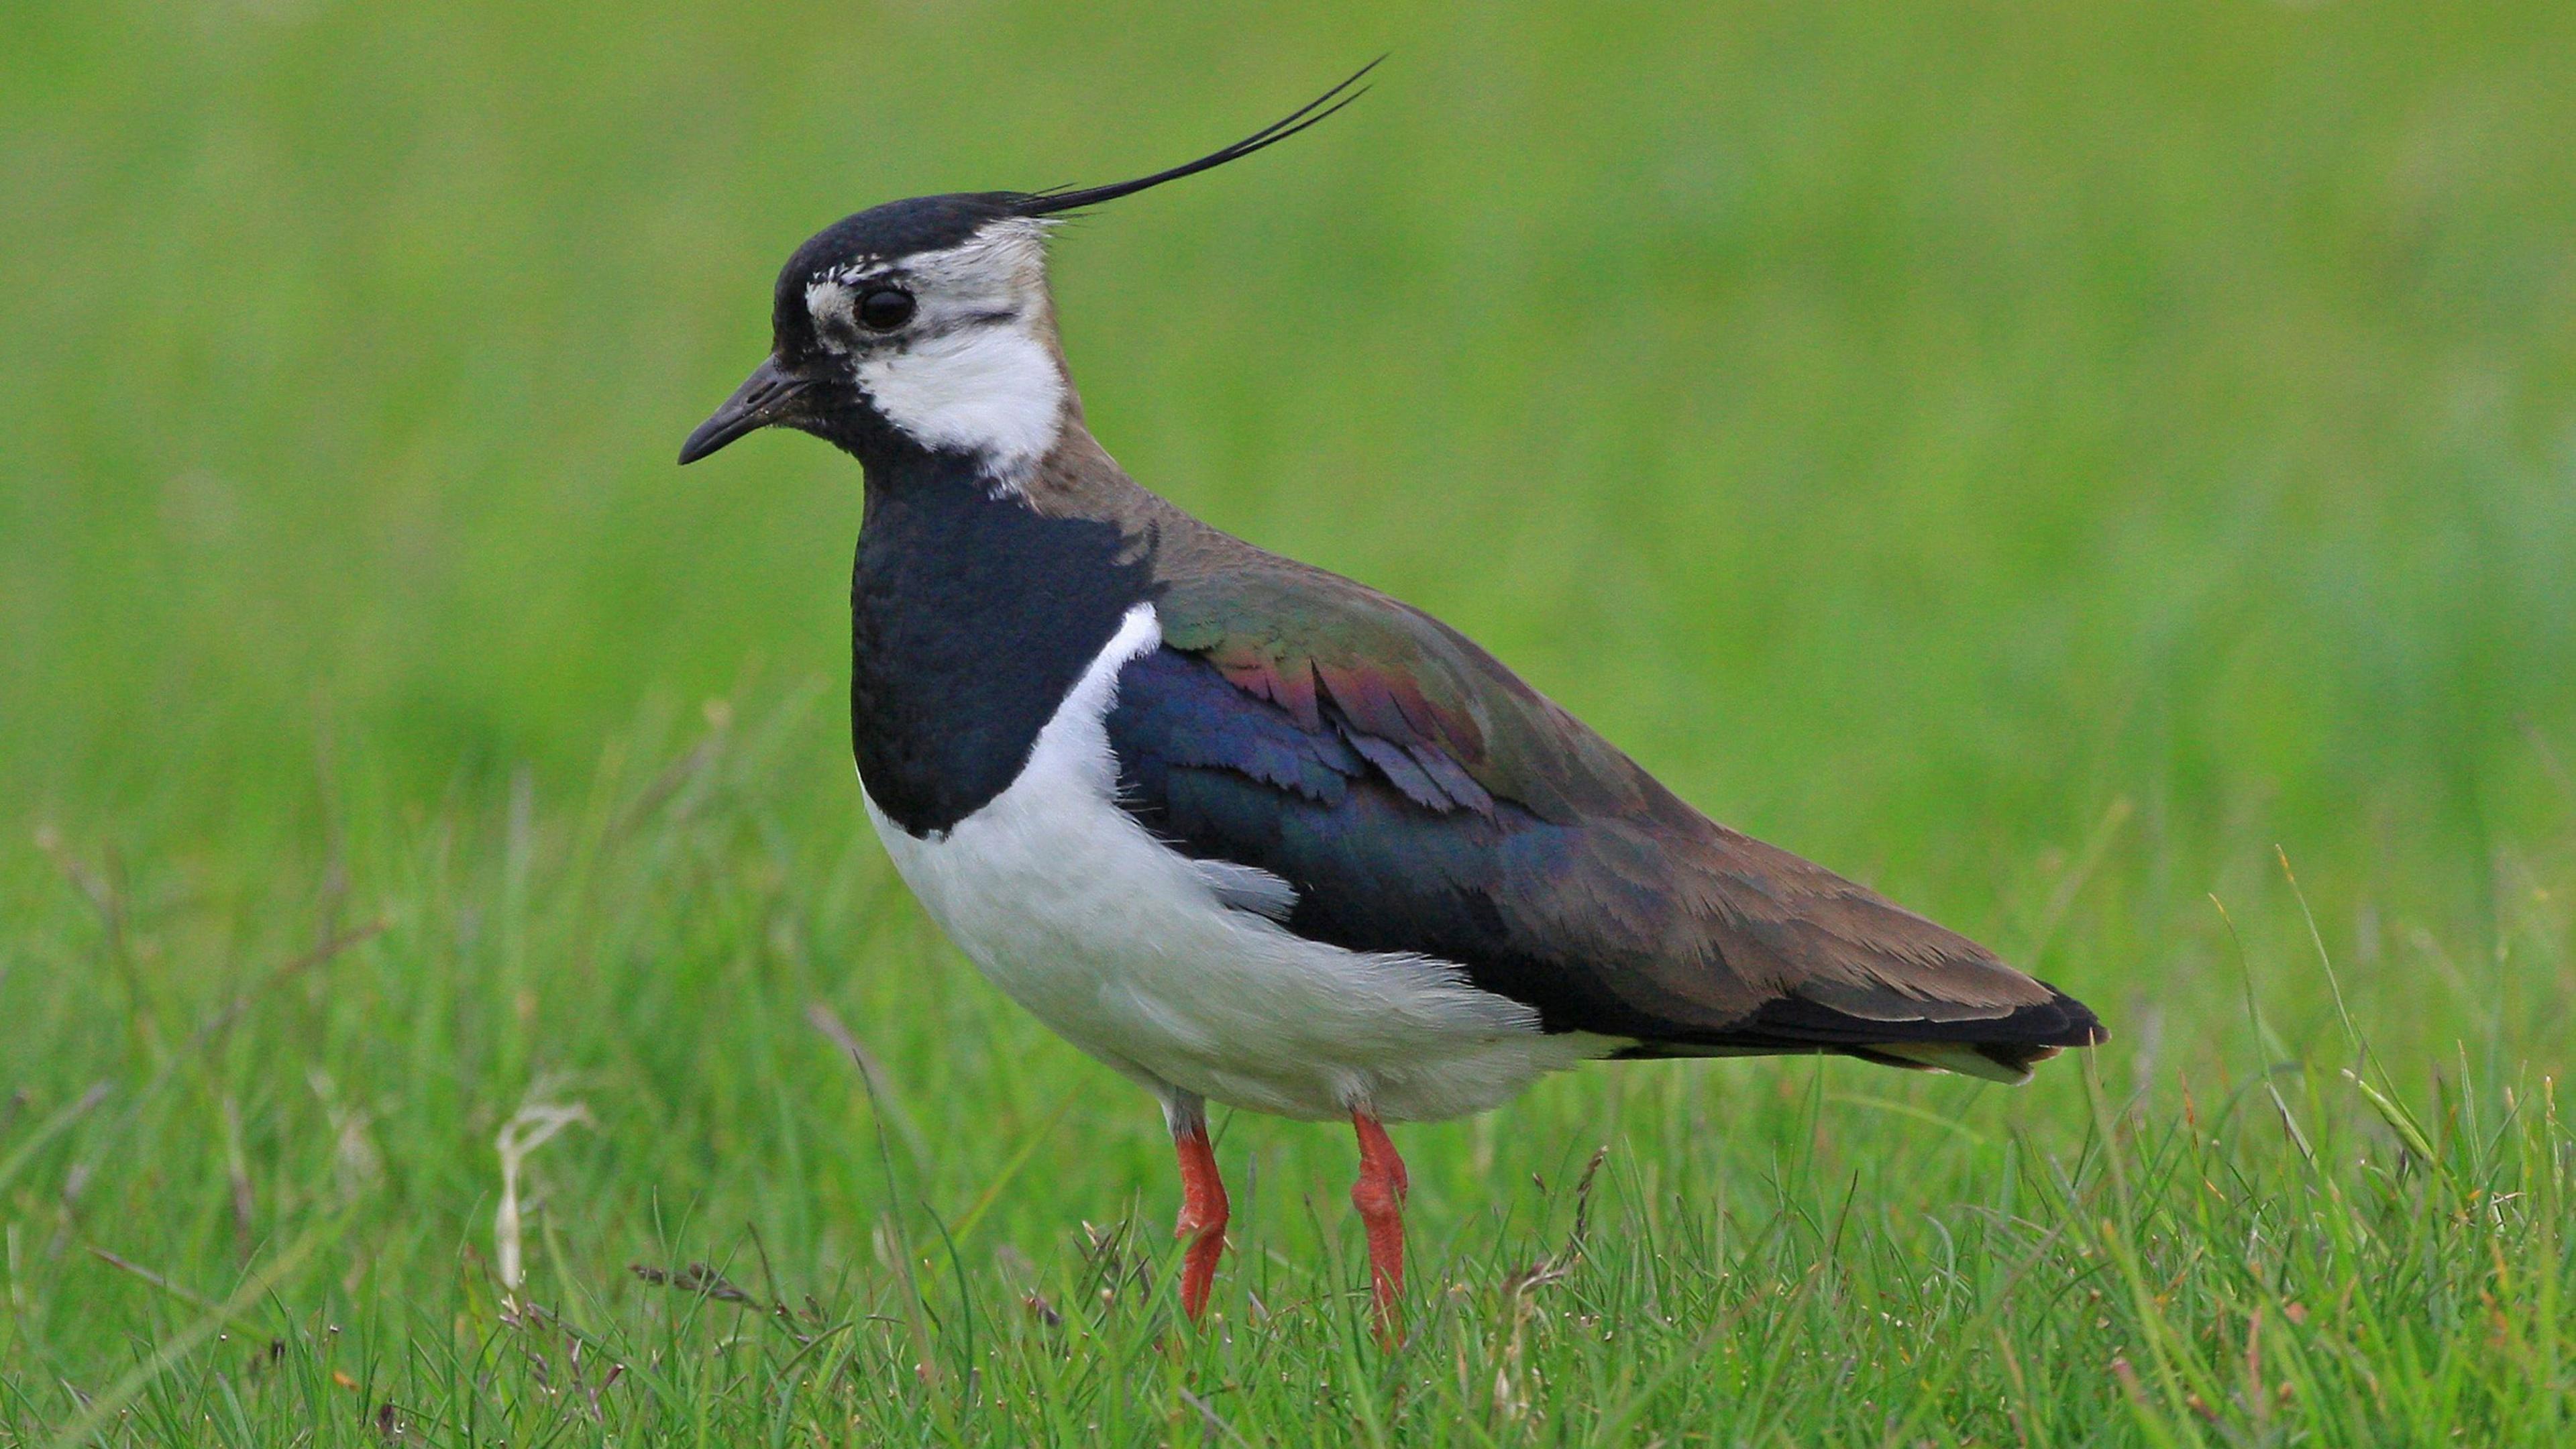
[1247, 831]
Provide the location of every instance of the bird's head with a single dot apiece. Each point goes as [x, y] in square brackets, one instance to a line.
[926, 320]
[926, 323]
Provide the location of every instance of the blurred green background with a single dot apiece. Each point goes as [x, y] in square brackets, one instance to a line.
[1905, 425]
[2038, 459]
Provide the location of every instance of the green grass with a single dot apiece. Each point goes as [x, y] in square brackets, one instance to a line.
[2065, 465]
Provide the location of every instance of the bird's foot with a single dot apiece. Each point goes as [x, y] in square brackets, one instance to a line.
[1203, 1216]
[1379, 1196]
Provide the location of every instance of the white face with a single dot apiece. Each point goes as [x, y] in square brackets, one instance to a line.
[972, 364]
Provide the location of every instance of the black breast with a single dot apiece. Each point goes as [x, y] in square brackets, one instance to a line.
[971, 616]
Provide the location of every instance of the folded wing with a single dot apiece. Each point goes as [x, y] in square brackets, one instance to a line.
[1414, 795]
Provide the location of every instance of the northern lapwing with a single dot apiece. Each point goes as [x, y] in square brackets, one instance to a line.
[1250, 832]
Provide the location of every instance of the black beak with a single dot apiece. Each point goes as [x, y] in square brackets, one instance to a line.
[767, 396]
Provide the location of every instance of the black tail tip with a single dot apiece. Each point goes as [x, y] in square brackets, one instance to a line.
[2076, 1026]
[2061, 1024]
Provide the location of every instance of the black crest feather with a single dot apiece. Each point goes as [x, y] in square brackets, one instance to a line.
[1058, 200]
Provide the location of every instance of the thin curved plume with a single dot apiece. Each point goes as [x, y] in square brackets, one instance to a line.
[1061, 199]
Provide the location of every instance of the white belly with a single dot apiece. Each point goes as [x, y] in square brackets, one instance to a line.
[1130, 951]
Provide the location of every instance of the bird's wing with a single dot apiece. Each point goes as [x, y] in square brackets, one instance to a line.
[1416, 796]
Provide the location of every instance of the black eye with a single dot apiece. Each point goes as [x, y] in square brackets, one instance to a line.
[885, 309]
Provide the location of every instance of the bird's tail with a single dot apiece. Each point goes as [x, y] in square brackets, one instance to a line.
[1999, 1047]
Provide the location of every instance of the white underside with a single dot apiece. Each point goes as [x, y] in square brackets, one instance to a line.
[1132, 952]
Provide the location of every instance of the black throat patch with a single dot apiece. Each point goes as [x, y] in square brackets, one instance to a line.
[971, 616]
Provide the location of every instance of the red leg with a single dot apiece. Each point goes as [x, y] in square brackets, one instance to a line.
[1203, 1213]
[1379, 1196]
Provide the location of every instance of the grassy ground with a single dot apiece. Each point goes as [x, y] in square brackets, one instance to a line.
[2068, 466]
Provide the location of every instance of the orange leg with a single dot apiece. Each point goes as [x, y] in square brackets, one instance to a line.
[1203, 1211]
[1379, 1196]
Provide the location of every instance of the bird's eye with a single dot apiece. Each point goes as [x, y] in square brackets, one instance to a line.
[885, 309]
